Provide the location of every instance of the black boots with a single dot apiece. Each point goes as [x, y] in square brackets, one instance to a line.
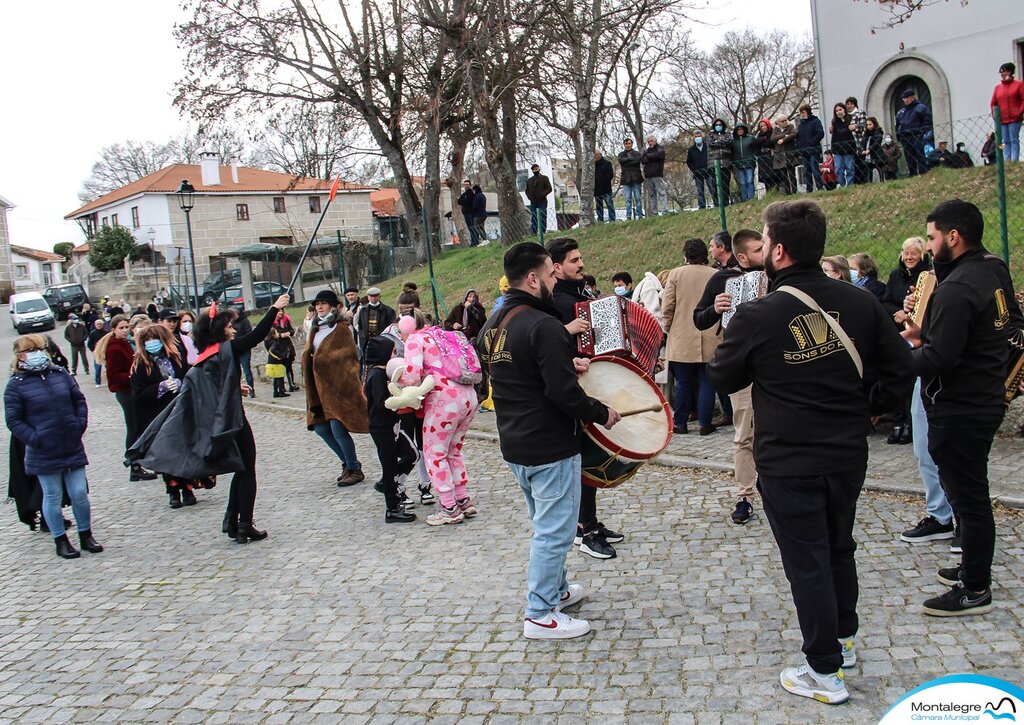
[64, 548]
[247, 532]
[279, 389]
[175, 498]
[138, 473]
[902, 434]
[187, 497]
[88, 543]
[230, 524]
[399, 516]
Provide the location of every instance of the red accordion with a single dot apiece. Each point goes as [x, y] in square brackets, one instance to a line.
[620, 327]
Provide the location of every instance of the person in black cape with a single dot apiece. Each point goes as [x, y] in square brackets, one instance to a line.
[204, 431]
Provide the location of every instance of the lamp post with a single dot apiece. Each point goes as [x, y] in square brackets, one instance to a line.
[186, 193]
[151, 233]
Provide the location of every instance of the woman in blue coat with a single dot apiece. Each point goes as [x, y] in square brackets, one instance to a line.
[46, 410]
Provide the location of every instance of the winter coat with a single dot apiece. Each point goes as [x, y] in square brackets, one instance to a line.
[843, 142]
[872, 143]
[1009, 96]
[149, 395]
[900, 281]
[385, 316]
[604, 174]
[119, 365]
[653, 160]
[763, 149]
[76, 334]
[809, 134]
[94, 337]
[47, 411]
[719, 144]
[331, 377]
[479, 205]
[629, 167]
[697, 160]
[914, 120]
[783, 156]
[286, 346]
[744, 150]
[683, 291]
[891, 154]
[538, 187]
[466, 202]
[470, 321]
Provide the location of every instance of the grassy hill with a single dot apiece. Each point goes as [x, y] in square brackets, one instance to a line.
[873, 218]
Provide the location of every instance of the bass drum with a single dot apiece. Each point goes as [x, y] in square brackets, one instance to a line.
[612, 457]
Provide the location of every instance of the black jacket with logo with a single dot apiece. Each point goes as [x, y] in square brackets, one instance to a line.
[537, 398]
[811, 414]
[963, 360]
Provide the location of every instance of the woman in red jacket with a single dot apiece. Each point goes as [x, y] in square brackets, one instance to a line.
[1009, 96]
[120, 356]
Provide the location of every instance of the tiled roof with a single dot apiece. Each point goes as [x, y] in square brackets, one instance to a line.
[168, 179]
[384, 202]
[81, 249]
[36, 254]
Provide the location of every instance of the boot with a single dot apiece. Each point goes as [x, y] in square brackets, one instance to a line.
[907, 435]
[897, 433]
[175, 498]
[399, 516]
[88, 542]
[230, 525]
[187, 497]
[64, 548]
[138, 473]
[247, 532]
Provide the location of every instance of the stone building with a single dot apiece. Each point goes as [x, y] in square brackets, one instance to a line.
[6, 271]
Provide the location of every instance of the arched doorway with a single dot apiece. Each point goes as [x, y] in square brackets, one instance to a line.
[908, 70]
[913, 83]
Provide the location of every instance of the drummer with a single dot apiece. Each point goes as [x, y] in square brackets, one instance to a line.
[539, 403]
[592, 536]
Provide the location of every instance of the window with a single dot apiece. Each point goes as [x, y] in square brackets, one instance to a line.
[113, 220]
[314, 205]
[135, 217]
[21, 271]
[279, 205]
[104, 223]
[242, 212]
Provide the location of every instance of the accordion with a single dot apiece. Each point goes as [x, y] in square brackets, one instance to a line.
[744, 288]
[1016, 376]
[620, 327]
[922, 295]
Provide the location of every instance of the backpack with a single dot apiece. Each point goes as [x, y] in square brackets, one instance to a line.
[459, 360]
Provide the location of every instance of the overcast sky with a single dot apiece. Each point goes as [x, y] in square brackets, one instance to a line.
[88, 75]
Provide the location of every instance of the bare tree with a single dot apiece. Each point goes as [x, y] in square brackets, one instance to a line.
[900, 10]
[317, 142]
[122, 163]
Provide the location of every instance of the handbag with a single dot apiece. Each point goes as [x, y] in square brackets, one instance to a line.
[275, 370]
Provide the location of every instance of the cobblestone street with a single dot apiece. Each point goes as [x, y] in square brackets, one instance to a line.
[339, 617]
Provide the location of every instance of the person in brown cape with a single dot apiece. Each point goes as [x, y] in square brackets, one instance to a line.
[335, 404]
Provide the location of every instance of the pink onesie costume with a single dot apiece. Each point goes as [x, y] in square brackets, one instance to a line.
[448, 410]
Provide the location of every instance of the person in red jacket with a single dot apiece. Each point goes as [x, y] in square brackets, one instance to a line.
[120, 355]
[1009, 96]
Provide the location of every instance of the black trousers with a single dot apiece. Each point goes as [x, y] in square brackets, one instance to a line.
[588, 508]
[78, 352]
[124, 399]
[812, 520]
[960, 446]
[396, 457]
[242, 495]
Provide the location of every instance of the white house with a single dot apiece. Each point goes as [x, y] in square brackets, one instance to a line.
[35, 269]
[6, 272]
[948, 53]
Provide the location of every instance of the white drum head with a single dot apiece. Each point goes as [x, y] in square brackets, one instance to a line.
[637, 437]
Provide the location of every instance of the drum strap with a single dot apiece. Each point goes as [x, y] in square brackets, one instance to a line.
[497, 333]
[832, 322]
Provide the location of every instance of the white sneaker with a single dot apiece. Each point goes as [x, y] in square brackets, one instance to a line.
[849, 652]
[555, 625]
[803, 681]
[575, 595]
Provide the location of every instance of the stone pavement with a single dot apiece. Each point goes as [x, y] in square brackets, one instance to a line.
[338, 617]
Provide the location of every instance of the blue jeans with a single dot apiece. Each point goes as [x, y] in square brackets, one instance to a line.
[602, 202]
[934, 497]
[844, 169]
[474, 233]
[535, 212]
[812, 170]
[634, 200]
[746, 181]
[1011, 141]
[339, 440]
[700, 181]
[244, 359]
[553, 501]
[98, 370]
[685, 375]
[78, 491]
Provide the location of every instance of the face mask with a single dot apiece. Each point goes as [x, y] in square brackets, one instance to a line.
[375, 304]
[154, 346]
[888, 140]
[36, 360]
[719, 127]
[854, 275]
[699, 140]
[621, 291]
[186, 326]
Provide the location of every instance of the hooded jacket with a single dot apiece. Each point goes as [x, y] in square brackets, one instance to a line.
[537, 396]
[629, 167]
[471, 318]
[1009, 96]
[378, 352]
[719, 143]
[744, 148]
[47, 412]
[811, 414]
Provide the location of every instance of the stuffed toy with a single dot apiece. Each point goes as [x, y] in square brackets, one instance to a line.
[409, 397]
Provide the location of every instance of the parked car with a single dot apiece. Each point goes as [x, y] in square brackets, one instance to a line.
[210, 289]
[65, 299]
[264, 293]
[31, 313]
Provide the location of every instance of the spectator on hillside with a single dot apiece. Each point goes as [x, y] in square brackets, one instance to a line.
[653, 160]
[870, 146]
[913, 131]
[864, 273]
[538, 187]
[604, 175]
[859, 127]
[964, 160]
[466, 204]
[763, 149]
[844, 146]
[837, 268]
[468, 316]
[623, 284]
[1009, 96]
[943, 157]
[631, 179]
[784, 156]
[890, 163]
[809, 134]
[479, 213]
[828, 170]
[744, 158]
[720, 150]
[697, 163]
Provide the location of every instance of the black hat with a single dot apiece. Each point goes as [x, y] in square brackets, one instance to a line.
[907, 93]
[351, 289]
[169, 314]
[328, 296]
[378, 350]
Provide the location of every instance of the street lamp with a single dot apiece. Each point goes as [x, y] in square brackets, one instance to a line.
[151, 233]
[186, 193]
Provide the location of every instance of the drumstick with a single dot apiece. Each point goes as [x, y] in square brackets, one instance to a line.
[653, 408]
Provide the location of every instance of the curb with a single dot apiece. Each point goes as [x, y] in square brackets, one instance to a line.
[673, 461]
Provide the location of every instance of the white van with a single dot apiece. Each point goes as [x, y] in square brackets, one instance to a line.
[31, 313]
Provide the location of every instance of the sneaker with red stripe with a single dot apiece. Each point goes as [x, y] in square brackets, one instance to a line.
[556, 625]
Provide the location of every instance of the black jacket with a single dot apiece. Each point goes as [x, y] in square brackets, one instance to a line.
[385, 316]
[811, 415]
[963, 360]
[809, 134]
[697, 160]
[538, 187]
[466, 202]
[629, 167]
[567, 293]
[604, 174]
[872, 285]
[704, 315]
[900, 281]
[537, 397]
[653, 160]
[479, 205]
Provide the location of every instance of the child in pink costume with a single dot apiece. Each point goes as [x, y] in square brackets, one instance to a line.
[448, 410]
